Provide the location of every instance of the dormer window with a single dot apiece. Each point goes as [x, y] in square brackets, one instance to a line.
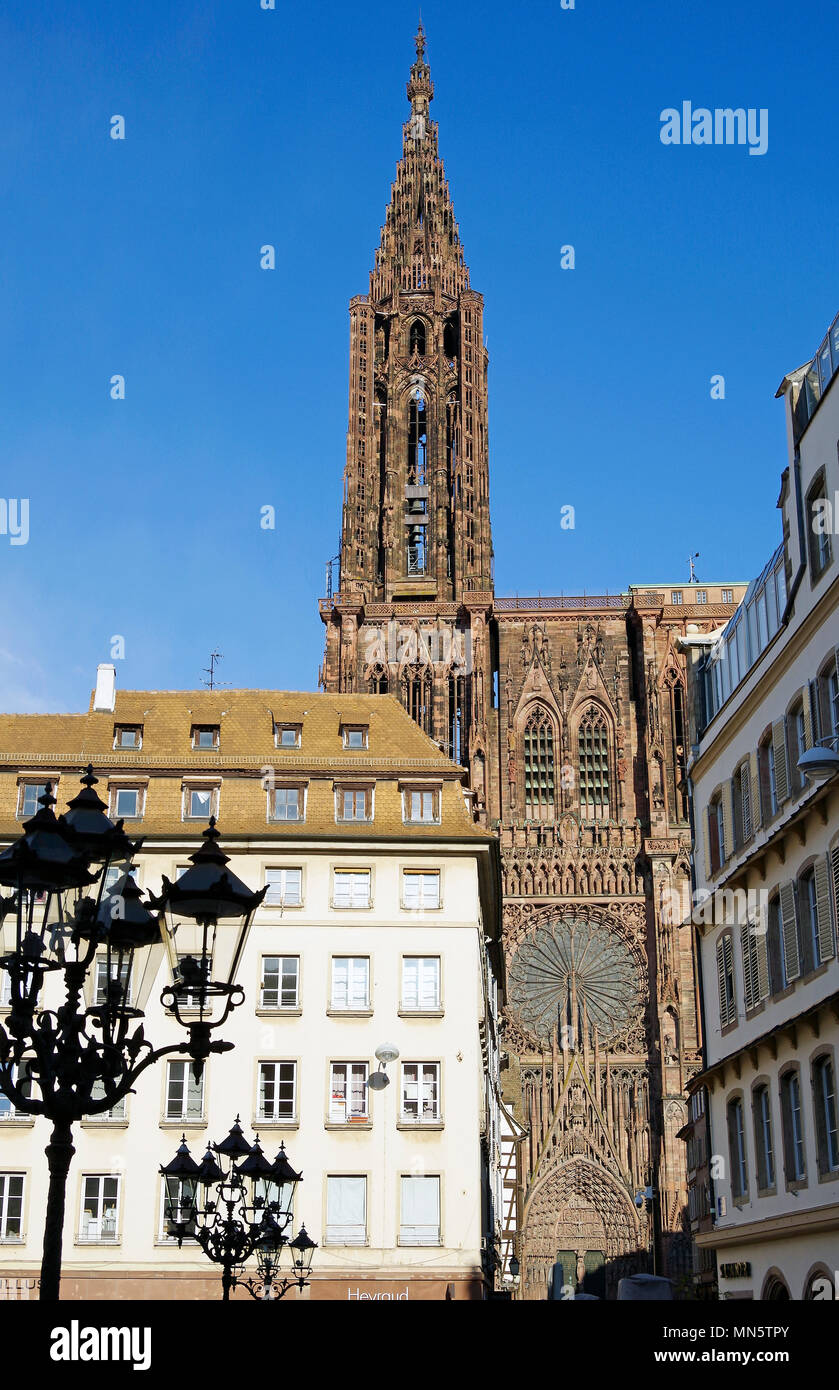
[205, 736]
[287, 735]
[354, 735]
[128, 736]
[421, 805]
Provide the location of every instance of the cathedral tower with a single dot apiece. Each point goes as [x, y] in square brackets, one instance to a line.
[410, 612]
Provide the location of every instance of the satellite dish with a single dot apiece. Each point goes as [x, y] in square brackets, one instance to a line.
[387, 1052]
[378, 1081]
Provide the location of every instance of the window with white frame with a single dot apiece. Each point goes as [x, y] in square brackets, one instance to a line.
[287, 735]
[285, 887]
[421, 805]
[20, 1077]
[29, 795]
[354, 735]
[11, 1207]
[200, 802]
[5, 989]
[177, 1212]
[421, 889]
[737, 1150]
[728, 595]
[128, 736]
[127, 803]
[116, 872]
[763, 1138]
[676, 596]
[700, 595]
[184, 1095]
[277, 1091]
[354, 803]
[115, 1113]
[420, 1211]
[287, 803]
[279, 986]
[205, 736]
[350, 988]
[346, 1210]
[420, 1092]
[793, 1127]
[351, 888]
[824, 1104]
[99, 1216]
[106, 986]
[420, 983]
[348, 1092]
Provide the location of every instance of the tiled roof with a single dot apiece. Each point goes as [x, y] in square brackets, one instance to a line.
[397, 750]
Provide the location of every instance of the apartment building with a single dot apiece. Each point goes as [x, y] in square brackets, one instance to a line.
[765, 786]
[380, 925]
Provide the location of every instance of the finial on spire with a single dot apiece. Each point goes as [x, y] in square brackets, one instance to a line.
[420, 40]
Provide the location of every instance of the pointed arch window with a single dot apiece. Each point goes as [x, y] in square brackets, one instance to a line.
[539, 789]
[593, 744]
[417, 342]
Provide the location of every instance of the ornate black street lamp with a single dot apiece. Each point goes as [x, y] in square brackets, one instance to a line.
[236, 1204]
[82, 1057]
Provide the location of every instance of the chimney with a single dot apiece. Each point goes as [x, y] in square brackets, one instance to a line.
[104, 696]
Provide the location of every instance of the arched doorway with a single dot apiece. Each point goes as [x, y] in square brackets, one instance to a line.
[582, 1220]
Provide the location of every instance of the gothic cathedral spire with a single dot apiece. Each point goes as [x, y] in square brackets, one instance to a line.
[416, 529]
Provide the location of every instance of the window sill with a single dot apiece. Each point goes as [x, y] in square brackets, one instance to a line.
[422, 822]
[110, 1242]
[421, 1013]
[406, 907]
[277, 1011]
[261, 1123]
[799, 1185]
[94, 1122]
[829, 1177]
[13, 1240]
[755, 1010]
[348, 1124]
[419, 1244]
[344, 1244]
[17, 1122]
[814, 974]
[767, 1192]
[282, 907]
[349, 1013]
[420, 1124]
[350, 907]
[183, 1123]
[784, 993]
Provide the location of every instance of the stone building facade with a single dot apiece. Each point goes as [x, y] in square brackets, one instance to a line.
[570, 716]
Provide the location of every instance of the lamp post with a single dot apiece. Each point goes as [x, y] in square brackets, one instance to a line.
[236, 1204]
[83, 1057]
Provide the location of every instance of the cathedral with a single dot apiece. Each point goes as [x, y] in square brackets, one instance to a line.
[570, 716]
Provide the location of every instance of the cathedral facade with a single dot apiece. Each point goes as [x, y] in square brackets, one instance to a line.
[570, 715]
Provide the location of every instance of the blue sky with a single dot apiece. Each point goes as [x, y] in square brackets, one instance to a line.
[245, 127]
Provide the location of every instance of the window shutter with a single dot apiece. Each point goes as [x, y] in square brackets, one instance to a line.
[194, 1092]
[761, 962]
[707, 837]
[727, 794]
[806, 709]
[815, 711]
[824, 925]
[724, 962]
[748, 966]
[746, 800]
[779, 745]
[755, 790]
[790, 932]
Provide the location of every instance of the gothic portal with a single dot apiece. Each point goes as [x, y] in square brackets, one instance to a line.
[570, 716]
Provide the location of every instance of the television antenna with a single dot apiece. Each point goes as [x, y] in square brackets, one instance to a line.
[212, 683]
[691, 558]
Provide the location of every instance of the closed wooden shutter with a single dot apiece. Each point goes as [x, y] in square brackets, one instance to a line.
[821, 873]
[779, 745]
[762, 962]
[789, 928]
[726, 796]
[746, 799]
[707, 840]
[815, 712]
[755, 798]
[725, 974]
[807, 712]
[747, 951]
